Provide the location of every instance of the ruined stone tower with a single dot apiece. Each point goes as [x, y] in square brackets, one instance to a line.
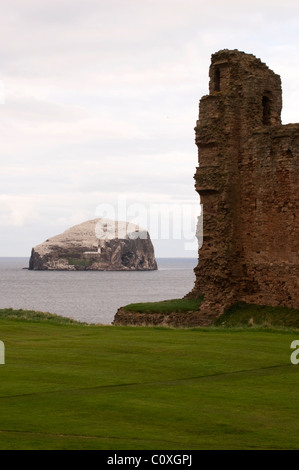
[247, 180]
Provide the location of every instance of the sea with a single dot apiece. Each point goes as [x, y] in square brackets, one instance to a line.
[91, 296]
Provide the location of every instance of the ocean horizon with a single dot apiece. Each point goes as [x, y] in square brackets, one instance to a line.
[91, 296]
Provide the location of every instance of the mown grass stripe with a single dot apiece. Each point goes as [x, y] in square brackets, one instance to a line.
[138, 384]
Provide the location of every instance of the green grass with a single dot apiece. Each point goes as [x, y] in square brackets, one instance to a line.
[35, 316]
[245, 315]
[166, 306]
[240, 315]
[76, 386]
[78, 261]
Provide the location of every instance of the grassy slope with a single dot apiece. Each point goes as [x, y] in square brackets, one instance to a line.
[254, 315]
[99, 387]
[165, 306]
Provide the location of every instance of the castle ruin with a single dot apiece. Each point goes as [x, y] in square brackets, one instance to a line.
[247, 180]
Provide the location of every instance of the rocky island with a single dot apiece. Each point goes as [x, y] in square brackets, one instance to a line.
[96, 245]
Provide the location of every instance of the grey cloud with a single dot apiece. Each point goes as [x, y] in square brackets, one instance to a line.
[102, 98]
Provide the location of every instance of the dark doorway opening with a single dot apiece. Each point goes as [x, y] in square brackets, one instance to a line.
[266, 110]
[217, 80]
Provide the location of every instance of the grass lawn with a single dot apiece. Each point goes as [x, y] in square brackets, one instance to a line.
[165, 306]
[76, 386]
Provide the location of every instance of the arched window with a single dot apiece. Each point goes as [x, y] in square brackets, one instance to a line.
[266, 110]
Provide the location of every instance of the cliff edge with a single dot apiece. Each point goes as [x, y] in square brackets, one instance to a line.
[96, 245]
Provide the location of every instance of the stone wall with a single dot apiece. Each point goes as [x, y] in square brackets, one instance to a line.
[247, 180]
[189, 319]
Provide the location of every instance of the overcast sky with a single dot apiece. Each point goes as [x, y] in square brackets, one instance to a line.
[99, 99]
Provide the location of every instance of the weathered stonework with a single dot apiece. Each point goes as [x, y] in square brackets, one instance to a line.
[247, 180]
[174, 319]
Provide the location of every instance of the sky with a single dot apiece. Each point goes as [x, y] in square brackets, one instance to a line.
[98, 104]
